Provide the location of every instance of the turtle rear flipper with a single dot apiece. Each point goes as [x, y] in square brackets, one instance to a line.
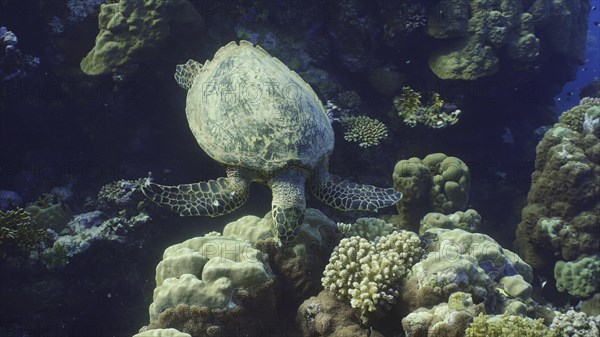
[211, 198]
[345, 195]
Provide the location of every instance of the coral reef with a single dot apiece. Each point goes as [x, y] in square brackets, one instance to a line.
[350, 35]
[369, 273]
[211, 285]
[436, 114]
[474, 263]
[579, 278]
[49, 211]
[162, 333]
[507, 326]
[18, 230]
[326, 315]
[9, 199]
[401, 19]
[562, 217]
[575, 118]
[365, 131]
[299, 266]
[475, 33]
[133, 31]
[575, 324]
[250, 312]
[369, 228]
[446, 319]
[13, 64]
[468, 220]
[437, 183]
[84, 230]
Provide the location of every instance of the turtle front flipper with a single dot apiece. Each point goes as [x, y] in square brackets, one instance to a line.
[345, 195]
[211, 198]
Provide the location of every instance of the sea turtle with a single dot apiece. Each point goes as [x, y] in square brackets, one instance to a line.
[258, 118]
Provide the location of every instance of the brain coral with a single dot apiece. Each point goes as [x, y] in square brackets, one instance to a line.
[437, 183]
[205, 271]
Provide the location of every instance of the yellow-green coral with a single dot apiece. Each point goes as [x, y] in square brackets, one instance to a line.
[369, 273]
[575, 116]
[363, 130]
[508, 326]
[16, 228]
[413, 112]
[48, 211]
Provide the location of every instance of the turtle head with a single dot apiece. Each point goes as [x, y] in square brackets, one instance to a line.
[288, 222]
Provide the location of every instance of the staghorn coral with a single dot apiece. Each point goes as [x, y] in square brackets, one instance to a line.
[436, 114]
[369, 273]
[363, 130]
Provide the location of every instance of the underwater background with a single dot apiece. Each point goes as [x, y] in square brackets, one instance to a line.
[483, 113]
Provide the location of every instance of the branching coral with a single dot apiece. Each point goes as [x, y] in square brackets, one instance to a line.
[369, 273]
[16, 229]
[508, 326]
[363, 130]
[576, 324]
[436, 114]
